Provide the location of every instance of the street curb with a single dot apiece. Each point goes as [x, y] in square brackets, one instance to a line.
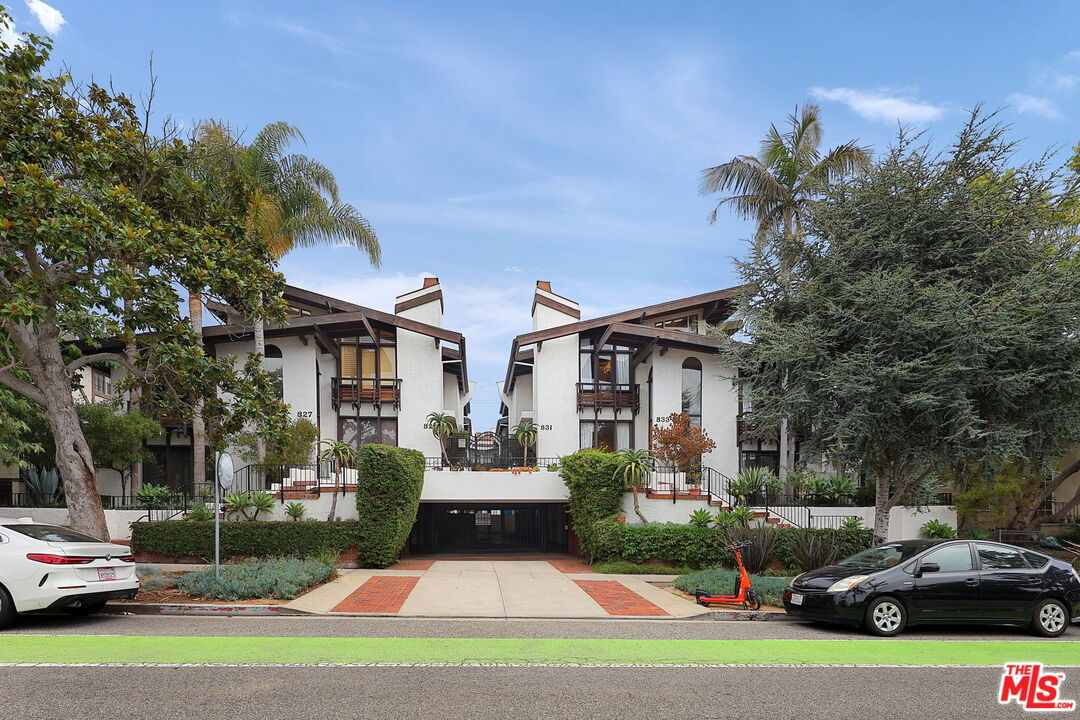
[753, 616]
[201, 609]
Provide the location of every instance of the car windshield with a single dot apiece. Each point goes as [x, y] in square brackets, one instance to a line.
[51, 533]
[883, 556]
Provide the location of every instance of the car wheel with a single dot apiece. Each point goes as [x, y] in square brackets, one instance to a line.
[886, 617]
[7, 608]
[86, 608]
[1051, 618]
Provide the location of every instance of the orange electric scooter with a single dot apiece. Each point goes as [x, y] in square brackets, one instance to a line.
[744, 591]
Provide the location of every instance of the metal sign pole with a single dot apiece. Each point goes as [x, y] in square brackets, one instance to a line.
[223, 480]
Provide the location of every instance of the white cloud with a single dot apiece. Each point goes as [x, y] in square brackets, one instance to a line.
[1034, 105]
[50, 18]
[881, 105]
[9, 35]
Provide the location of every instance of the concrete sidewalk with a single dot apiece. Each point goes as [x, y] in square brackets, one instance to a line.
[494, 589]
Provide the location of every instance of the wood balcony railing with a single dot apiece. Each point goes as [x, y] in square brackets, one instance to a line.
[612, 395]
[377, 391]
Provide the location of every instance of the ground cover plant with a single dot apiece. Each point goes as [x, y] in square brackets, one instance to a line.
[624, 567]
[280, 579]
[721, 581]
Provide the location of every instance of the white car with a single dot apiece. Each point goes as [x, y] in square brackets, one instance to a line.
[50, 567]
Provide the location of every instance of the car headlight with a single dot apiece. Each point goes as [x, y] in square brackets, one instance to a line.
[847, 583]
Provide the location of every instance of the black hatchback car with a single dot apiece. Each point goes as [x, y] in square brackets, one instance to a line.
[891, 586]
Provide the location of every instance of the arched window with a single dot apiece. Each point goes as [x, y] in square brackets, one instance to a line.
[274, 365]
[691, 390]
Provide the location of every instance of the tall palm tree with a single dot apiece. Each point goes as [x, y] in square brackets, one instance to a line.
[776, 187]
[525, 433]
[293, 200]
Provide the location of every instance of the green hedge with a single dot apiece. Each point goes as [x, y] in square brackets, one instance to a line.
[595, 493]
[190, 538]
[390, 480]
[698, 547]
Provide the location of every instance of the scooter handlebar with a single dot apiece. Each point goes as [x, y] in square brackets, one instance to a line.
[740, 545]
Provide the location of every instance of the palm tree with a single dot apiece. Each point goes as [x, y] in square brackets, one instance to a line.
[442, 426]
[342, 455]
[292, 199]
[634, 468]
[525, 432]
[776, 187]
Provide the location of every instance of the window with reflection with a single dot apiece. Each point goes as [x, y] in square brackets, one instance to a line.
[607, 435]
[691, 390]
[610, 366]
[274, 365]
[363, 430]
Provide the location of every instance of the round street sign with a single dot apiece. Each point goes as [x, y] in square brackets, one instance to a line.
[225, 470]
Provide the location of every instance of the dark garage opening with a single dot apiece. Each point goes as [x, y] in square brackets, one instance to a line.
[489, 528]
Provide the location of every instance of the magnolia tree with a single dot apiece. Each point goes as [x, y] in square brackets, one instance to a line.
[100, 223]
[929, 323]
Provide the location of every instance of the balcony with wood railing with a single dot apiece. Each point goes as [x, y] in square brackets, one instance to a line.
[608, 395]
[356, 391]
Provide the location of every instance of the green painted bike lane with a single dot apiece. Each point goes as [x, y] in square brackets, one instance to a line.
[80, 649]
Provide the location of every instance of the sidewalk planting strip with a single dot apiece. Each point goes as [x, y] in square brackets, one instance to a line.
[617, 599]
[380, 594]
[79, 649]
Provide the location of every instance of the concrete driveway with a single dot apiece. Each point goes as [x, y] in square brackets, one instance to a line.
[496, 589]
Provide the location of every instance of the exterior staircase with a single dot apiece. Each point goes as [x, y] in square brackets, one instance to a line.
[668, 484]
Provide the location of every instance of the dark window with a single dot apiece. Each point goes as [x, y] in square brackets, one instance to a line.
[611, 364]
[361, 431]
[993, 557]
[1036, 560]
[103, 384]
[274, 365]
[51, 533]
[760, 458]
[951, 558]
[605, 435]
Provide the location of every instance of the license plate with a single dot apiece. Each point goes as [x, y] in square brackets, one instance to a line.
[796, 599]
[106, 574]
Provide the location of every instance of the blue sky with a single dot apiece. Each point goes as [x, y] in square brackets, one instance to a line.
[495, 144]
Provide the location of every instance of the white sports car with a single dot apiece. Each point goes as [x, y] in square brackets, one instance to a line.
[51, 567]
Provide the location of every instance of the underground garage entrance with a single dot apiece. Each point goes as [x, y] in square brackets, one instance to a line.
[490, 528]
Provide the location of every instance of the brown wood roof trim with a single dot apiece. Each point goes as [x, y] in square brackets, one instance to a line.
[335, 322]
[418, 301]
[637, 314]
[544, 300]
[313, 298]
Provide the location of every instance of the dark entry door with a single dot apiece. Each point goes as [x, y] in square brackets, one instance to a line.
[463, 529]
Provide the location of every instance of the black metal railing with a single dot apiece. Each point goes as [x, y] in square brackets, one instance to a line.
[832, 522]
[483, 461]
[608, 395]
[355, 391]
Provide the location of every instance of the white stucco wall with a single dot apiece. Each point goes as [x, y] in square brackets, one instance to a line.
[478, 486]
[555, 376]
[118, 521]
[420, 369]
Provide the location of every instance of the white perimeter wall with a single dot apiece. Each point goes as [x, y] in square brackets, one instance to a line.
[118, 521]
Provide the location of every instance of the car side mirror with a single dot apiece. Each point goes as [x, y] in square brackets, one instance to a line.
[927, 567]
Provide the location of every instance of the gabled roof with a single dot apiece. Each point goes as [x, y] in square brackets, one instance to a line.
[629, 328]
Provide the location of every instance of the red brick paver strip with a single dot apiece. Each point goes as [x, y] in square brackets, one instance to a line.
[617, 599]
[412, 564]
[570, 565]
[380, 594]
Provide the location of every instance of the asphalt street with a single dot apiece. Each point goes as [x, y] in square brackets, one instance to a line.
[210, 693]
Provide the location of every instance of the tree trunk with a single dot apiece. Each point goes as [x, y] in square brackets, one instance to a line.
[637, 507]
[333, 500]
[882, 506]
[260, 348]
[198, 425]
[784, 441]
[1029, 508]
[525, 454]
[786, 446]
[74, 463]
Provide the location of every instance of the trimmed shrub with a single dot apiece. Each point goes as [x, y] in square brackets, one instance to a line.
[389, 483]
[721, 581]
[595, 493]
[696, 547]
[194, 538]
[282, 579]
[624, 567]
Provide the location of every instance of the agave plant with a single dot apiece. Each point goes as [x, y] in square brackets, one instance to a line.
[725, 520]
[262, 502]
[852, 523]
[743, 514]
[296, 510]
[701, 518]
[237, 503]
[199, 511]
[749, 482]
